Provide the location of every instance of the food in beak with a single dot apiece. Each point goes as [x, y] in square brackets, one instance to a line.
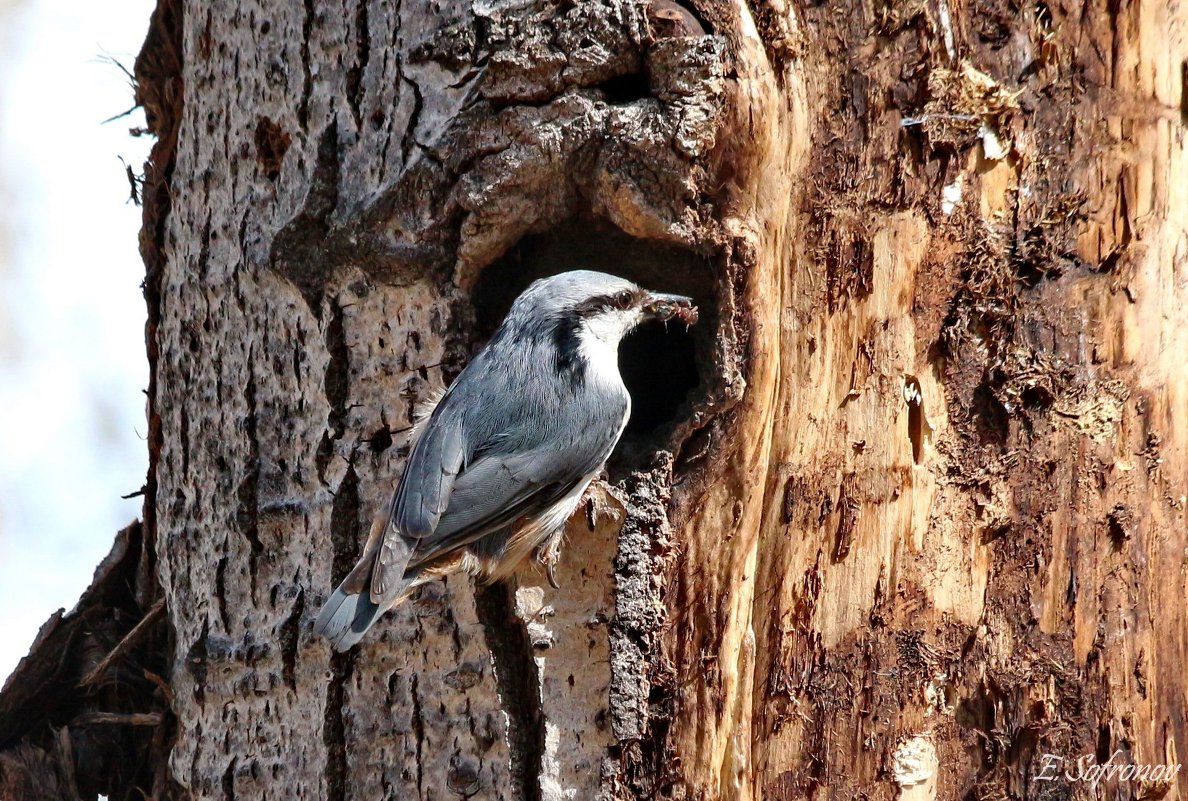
[672, 307]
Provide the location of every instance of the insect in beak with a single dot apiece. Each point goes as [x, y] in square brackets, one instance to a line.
[671, 307]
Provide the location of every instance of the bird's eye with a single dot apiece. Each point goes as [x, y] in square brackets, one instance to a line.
[623, 299]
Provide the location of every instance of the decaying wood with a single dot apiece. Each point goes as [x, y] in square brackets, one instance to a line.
[966, 395]
[84, 674]
[904, 514]
[141, 629]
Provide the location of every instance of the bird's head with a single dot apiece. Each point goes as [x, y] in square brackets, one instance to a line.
[600, 305]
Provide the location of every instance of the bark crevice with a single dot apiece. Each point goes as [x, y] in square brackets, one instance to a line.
[518, 680]
[334, 737]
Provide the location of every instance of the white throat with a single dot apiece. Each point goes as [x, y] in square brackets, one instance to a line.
[599, 338]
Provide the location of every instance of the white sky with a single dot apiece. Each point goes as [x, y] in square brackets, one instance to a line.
[72, 357]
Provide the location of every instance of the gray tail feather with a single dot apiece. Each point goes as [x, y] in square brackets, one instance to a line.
[346, 618]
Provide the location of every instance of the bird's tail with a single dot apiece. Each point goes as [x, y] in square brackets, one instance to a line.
[346, 617]
[359, 601]
[354, 605]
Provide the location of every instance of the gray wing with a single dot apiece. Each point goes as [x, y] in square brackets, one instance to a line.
[492, 492]
[420, 499]
[428, 480]
[499, 489]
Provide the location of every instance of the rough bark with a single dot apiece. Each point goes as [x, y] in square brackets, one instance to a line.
[903, 514]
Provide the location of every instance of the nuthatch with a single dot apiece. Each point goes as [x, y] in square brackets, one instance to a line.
[502, 460]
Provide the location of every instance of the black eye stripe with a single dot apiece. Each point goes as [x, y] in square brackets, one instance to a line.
[618, 300]
[588, 307]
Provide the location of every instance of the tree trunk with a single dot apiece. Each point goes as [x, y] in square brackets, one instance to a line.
[902, 517]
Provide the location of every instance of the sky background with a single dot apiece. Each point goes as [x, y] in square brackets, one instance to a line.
[72, 357]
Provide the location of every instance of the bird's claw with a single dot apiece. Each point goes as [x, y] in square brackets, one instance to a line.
[547, 555]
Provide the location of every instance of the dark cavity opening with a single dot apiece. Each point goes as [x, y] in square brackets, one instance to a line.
[1184, 93]
[623, 89]
[919, 432]
[666, 367]
[659, 366]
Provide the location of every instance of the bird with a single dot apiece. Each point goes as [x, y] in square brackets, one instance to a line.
[501, 460]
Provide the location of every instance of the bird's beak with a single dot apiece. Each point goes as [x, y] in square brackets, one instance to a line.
[671, 307]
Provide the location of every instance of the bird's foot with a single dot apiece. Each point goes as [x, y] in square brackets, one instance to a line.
[547, 554]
